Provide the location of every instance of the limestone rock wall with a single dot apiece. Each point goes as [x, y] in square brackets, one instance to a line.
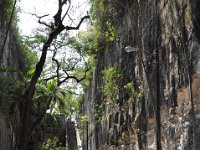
[9, 61]
[166, 67]
[71, 135]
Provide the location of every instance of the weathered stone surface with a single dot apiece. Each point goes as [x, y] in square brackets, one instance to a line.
[10, 59]
[168, 40]
[71, 135]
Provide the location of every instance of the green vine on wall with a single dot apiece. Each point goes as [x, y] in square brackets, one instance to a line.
[99, 111]
[106, 16]
[134, 93]
[111, 79]
[112, 85]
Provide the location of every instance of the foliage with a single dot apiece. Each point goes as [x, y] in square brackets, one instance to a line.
[134, 93]
[44, 96]
[68, 103]
[12, 91]
[106, 15]
[64, 99]
[35, 40]
[52, 144]
[27, 57]
[52, 120]
[6, 7]
[83, 49]
[5, 96]
[100, 112]
[8, 70]
[85, 42]
[86, 83]
[57, 100]
[84, 118]
[111, 79]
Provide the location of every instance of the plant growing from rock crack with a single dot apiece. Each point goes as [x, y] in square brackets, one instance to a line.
[100, 112]
[111, 86]
[52, 144]
[111, 79]
[134, 94]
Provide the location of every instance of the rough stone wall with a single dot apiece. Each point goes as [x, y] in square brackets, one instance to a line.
[8, 125]
[166, 66]
[71, 135]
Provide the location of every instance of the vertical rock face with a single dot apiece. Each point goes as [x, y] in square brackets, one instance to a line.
[9, 61]
[71, 136]
[166, 67]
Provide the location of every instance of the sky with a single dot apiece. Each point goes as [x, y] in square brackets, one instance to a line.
[28, 22]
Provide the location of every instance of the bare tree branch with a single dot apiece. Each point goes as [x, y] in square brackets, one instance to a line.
[72, 20]
[57, 63]
[49, 78]
[72, 67]
[57, 17]
[78, 26]
[74, 77]
[66, 13]
[42, 22]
